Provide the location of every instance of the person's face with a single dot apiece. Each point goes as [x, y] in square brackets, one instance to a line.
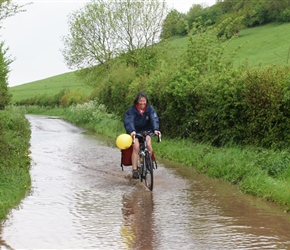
[142, 102]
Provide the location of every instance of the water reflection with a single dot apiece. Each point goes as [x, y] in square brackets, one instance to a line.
[138, 207]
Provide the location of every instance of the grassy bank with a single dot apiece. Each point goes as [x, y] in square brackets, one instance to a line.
[256, 171]
[48, 87]
[14, 158]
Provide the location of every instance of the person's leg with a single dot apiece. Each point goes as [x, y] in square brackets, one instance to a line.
[135, 153]
[149, 146]
[148, 141]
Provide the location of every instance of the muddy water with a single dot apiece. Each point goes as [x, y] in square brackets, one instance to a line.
[80, 199]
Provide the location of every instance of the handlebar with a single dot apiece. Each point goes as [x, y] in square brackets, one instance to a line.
[159, 137]
[144, 134]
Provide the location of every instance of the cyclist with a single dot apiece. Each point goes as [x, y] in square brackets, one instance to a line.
[141, 116]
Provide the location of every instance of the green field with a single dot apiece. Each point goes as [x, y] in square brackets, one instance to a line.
[265, 45]
[49, 86]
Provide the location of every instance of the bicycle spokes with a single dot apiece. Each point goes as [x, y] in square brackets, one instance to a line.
[148, 172]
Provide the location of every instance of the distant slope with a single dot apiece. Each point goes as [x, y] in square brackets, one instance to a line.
[50, 86]
[265, 45]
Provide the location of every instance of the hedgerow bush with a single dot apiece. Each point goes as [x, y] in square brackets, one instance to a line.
[88, 112]
[14, 158]
[195, 90]
[64, 98]
[114, 90]
[203, 97]
[5, 61]
[265, 113]
[246, 107]
[94, 116]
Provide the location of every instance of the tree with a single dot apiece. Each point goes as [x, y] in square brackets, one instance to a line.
[194, 13]
[211, 13]
[7, 9]
[174, 24]
[4, 71]
[230, 25]
[276, 9]
[104, 29]
[92, 39]
[141, 23]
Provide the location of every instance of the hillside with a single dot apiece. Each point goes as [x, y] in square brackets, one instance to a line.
[47, 86]
[265, 45]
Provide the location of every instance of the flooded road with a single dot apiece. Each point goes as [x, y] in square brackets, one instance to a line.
[81, 199]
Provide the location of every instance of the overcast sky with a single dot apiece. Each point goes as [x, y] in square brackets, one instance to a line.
[34, 37]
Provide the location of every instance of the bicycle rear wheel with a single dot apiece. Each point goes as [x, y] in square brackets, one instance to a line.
[148, 171]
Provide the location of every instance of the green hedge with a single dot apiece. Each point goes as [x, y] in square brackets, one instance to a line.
[203, 97]
[14, 158]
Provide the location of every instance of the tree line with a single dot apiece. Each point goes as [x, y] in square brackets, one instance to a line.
[248, 14]
[7, 9]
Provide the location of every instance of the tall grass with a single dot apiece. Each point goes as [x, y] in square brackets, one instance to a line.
[14, 158]
[259, 172]
[92, 115]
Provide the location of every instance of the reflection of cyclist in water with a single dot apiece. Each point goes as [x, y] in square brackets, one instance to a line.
[141, 116]
[137, 231]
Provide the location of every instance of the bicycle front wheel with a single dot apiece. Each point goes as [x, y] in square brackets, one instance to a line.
[148, 171]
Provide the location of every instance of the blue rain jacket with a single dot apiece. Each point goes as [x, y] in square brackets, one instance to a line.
[135, 121]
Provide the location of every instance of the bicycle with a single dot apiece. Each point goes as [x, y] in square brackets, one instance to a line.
[145, 162]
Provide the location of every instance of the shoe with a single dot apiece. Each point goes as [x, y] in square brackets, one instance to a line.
[135, 174]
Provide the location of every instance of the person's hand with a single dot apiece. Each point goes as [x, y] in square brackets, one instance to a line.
[156, 132]
[133, 133]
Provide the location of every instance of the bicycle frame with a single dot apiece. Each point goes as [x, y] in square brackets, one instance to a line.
[145, 164]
